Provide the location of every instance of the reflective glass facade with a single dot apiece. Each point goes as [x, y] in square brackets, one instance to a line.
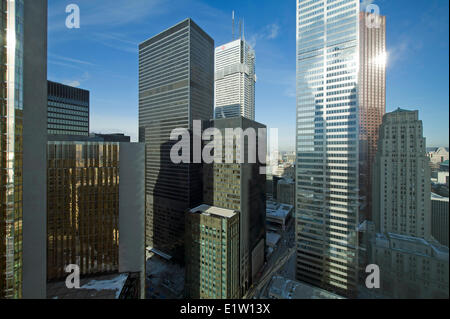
[82, 207]
[176, 79]
[68, 110]
[11, 150]
[327, 143]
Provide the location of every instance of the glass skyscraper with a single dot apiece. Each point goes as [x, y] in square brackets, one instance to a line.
[327, 200]
[11, 141]
[234, 80]
[68, 110]
[176, 79]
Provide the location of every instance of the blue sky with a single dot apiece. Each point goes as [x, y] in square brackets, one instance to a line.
[102, 56]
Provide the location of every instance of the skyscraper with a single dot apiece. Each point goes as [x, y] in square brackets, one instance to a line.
[327, 200]
[176, 80]
[95, 209]
[23, 96]
[240, 186]
[68, 110]
[401, 183]
[212, 253]
[372, 99]
[235, 80]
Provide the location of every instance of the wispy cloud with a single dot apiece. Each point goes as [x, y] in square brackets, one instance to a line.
[77, 82]
[273, 31]
[104, 13]
[59, 58]
[269, 32]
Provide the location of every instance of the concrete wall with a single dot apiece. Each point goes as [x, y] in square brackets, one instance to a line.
[35, 150]
[132, 210]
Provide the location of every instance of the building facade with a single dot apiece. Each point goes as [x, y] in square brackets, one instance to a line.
[176, 87]
[87, 208]
[439, 218]
[286, 192]
[235, 80]
[438, 156]
[237, 184]
[327, 143]
[372, 99]
[23, 70]
[68, 110]
[212, 253]
[401, 181]
[410, 267]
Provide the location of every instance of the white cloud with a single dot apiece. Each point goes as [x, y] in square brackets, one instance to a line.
[77, 82]
[269, 32]
[273, 30]
[72, 83]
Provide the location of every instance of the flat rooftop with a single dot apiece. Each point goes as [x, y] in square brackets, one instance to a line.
[276, 210]
[212, 210]
[281, 287]
[99, 287]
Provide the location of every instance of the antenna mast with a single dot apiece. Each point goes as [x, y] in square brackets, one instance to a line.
[232, 25]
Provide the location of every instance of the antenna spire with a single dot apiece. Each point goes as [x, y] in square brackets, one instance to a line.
[232, 19]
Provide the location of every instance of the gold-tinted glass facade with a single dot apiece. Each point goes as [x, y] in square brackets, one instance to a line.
[11, 147]
[83, 207]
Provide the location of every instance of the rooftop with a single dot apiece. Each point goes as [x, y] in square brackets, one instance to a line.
[283, 288]
[212, 210]
[274, 209]
[99, 287]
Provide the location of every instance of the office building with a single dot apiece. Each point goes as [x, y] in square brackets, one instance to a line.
[23, 98]
[212, 253]
[401, 177]
[93, 220]
[327, 142]
[286, 191]
[237, 184]
[68, 110]
[372, 99]
[176, 87]
[437, 156]
[235, 80]
[278, 216]
[439, 218]
[410, 267]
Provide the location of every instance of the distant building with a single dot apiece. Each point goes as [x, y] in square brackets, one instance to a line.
[116, 137]
[212, 253]
[240, 187]
[68, 110]
[282, 288]
[439, 219]
[235, 80]
[401, 177]
[278, 215]
[93, 137]
[286, 192]
[411, 267]
[93, 220]
[437, 156]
